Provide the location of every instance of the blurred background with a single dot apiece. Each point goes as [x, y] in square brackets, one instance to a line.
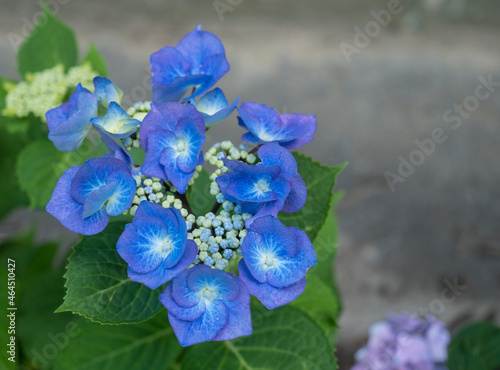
[418, 232]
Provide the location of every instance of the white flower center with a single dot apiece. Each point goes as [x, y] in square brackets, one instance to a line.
[208, 294]
[181, 146]
[262, 185]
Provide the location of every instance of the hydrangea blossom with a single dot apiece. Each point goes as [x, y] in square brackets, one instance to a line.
[266, 125]
[116, 123]
[172, 135]
[214, 107]
[85, 196]
[69, 123]
[207, 304]
[165, 241]
[275, 261]
[155, 245]
[267, 187]
[198, 61]
[405, 342]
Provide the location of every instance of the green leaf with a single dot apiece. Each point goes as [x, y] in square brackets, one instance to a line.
[97, 283]
[42, 332]
[475, 347]
[320, 181]
[199, 197]
[321, 303]
[284, 338]
[149, 345]
[5, 322]
[40, 165]
[3, 92]
[96, 61]
[50, 43]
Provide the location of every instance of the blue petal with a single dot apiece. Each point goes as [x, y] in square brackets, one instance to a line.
[140, 244]
[180, 179]
[297, 196]
[69, 212]
[274, 154]
[180, 312]
[297, 126]
[177, 89]
[124, 192]
[92, 175]
[171, 217]
[161, 275]
[106, 91]
[158, 141]
[240, 319]
[221, 282]
[262, 121]
[202, 329]
[247, 190]
[271, 297]
[193, 138]
[116, 123]
[221, 115]
[116, 150]
[95, 200]
[271, 208]
[214, 107]
[69, 123]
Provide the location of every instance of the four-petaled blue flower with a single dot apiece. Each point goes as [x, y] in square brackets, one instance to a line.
[214, 107]
[106, 91]
[266, 125]
[116, 123]
[267, 187]
[69, 123]
[85, 196]
[155, 245]
[275, 261]
[172, 135]
[207, 304]
[198, 61]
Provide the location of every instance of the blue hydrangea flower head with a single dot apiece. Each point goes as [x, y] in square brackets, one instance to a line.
[405, 342]
[266, 125]
[155, 245]
[206, 304]
[266, 188]
[116, 123]
[198, 61]
[106, 91]
[172, 135]
[85, 196]
[69, 123]
[275, 261]
[214, 107]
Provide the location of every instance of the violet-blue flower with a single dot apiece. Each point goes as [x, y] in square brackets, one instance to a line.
[155, 245]
[69, 123]
[106, 91]
[172, 135]
[267, 125]
[405, 342]
[206, 304]
[214, 107]
[275, 261]
[267, 187]
[198, 61]
[85, 196]
[116, 123]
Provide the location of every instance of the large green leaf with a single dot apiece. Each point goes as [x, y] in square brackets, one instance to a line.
[284, 338]
[321, 303]
[475, 347]
[149, 345]
[50, 43]
[199, 197]
[98, 287]
[96, 61]
[40, 165]
[320, 181]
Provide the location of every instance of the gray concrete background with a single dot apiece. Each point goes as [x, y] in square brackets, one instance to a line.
[396, 248]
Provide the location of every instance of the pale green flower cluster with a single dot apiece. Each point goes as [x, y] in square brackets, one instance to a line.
[42, 91]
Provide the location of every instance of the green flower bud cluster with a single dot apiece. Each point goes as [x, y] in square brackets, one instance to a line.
[150, 189]
[45, 90]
